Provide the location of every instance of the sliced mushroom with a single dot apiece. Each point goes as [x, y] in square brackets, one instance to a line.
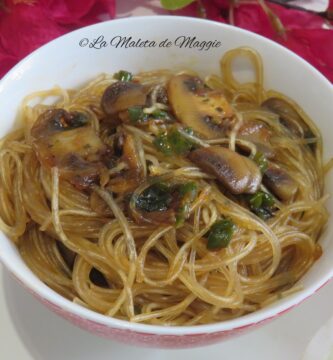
[129, 179]
[158, 94]
[68, 141]
[289, 117]
[121, 95]
[162, 95]
[79, 172]
[131, 153]
[206, 111]
[236, 172]
[258, 133]
[279, 182]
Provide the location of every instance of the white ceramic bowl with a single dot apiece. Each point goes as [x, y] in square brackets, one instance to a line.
[64, 62]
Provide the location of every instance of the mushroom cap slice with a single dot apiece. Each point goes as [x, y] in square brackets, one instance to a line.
[121, 95]
[288, 115]
[258, 133]
[63, 139]
[206, 111]
[237, 173]
[129, 179]
[280, 183]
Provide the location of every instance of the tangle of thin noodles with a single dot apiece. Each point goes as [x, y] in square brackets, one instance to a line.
[159, 274]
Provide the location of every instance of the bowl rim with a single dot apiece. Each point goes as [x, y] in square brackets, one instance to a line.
[40, 289]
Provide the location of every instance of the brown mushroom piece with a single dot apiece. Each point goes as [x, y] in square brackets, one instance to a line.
[121, 95]
[258, 133]
[237, 173]
[205, 110]
[162, 95]
[129, 179]
[280, 183]
[68, 141]
[289, 117]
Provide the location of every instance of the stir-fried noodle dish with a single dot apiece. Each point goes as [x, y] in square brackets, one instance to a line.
[163, 197]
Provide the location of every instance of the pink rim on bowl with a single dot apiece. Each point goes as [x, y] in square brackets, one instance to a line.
[142, 334]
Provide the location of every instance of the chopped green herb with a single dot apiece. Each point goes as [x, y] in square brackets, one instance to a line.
[261, 161]
[136, 114]
[220, 234]
[263, 213]
[157, 197]
[182, 214]
[268, 200]
[256, 200]
[265, 199]
[173, 142]
[162, 144]
[161, 114]
[160, 197]
[123, 75]
[189, 188]
[262, 204]
[189, 130]
[188, 192]
[178, 142]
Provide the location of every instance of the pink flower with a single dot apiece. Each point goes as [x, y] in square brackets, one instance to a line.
[307, 34]
[25, 25]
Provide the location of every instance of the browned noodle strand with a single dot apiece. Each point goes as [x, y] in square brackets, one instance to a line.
[160, 274]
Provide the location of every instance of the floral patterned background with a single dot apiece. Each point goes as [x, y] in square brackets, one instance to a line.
[304, 26]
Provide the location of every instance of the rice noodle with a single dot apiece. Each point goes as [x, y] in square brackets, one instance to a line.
[155, 273]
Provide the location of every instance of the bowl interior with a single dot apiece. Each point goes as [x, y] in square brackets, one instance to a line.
[65, 63]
